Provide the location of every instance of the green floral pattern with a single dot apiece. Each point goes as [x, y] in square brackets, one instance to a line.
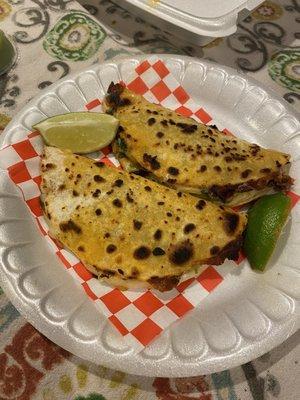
[91, 396]
[284, 69]
[75, 37]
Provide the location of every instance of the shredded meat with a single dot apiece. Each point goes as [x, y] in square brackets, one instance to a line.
[230, 251]
[165, 283]
[276, 180]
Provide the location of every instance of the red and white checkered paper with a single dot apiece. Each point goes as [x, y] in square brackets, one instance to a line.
[138, 316]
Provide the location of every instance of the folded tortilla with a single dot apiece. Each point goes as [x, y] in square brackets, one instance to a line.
[130, 230]
[192, 157]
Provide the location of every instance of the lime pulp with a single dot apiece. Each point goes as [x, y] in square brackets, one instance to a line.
[80, 132]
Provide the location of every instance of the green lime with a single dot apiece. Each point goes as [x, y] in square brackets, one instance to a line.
[80, 132]
[265, 222]
[7, 52]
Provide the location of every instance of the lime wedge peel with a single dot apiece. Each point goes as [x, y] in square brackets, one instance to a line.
[266, 220]
[80, 132]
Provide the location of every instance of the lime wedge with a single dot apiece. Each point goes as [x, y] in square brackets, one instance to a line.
[80, 132]
[265, 222]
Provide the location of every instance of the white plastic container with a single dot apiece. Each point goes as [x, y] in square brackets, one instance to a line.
[197, 21]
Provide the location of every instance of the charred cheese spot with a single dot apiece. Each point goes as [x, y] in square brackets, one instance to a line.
[129, 198]
[187, 128]
[200, 205]
[98, 211]
[111, 248]
[246, 173]
[98, 178]
[147, 188]
[158, 234]
[265, 170]
[151, 121]
[137, 224]
[141, 253]
[152, 161]
[173, 171]
[70, 226]
[158, 251]
[117, 203]
[50, 166]
[189, 228]
[96, 193]
[181, 253]
[99, 164]
[81, 248]
[231, 222]
[118, 183]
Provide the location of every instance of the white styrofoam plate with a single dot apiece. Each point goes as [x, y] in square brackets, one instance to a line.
[213, 18]
[246, 316]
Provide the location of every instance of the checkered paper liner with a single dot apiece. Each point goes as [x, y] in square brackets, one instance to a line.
[138, 316]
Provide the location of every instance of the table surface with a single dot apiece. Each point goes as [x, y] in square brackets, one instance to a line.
[267, 47]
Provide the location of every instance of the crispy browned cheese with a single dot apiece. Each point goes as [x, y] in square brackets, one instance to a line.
[189, 156]
[131, 230]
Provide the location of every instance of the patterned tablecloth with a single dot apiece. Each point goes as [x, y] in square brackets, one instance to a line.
[56, 37]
